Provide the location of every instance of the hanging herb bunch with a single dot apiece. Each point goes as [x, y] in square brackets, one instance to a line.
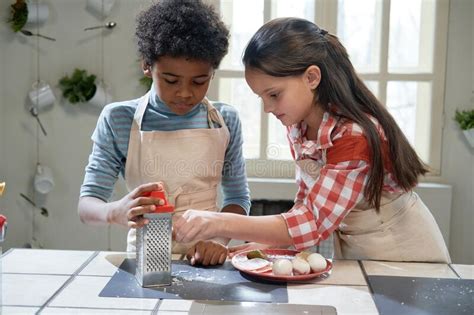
[19, 15]
[78, 88]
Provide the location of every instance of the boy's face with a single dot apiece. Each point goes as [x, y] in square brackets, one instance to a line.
[181, 83]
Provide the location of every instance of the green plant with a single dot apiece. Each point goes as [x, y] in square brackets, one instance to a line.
[465, 119]
[146, 82]
[19, 15]
[80, 87]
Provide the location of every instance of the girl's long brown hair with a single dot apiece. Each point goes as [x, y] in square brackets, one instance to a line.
[288, 46]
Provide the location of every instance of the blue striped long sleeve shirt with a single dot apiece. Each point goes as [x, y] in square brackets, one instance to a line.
[110, 146]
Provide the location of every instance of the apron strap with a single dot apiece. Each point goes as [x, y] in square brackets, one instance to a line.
[140, 111]
[213, 114]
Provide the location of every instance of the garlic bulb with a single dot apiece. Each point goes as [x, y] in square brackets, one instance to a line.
[300, 266]
[282, 267]
[316, 262]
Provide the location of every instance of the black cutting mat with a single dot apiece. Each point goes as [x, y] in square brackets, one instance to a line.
[222, 282]
[422, 296]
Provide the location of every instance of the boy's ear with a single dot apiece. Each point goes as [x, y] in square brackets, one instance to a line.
[146, 70]
[312, 76]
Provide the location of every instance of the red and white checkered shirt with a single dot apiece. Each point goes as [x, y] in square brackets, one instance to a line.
[341, 152]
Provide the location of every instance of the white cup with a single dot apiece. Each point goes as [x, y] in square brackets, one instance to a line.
[43, 182]
[100, 8]
[37, 13]
[41, 95]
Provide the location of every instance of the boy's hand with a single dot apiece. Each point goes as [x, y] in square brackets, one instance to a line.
[129, 210]
[207, 253]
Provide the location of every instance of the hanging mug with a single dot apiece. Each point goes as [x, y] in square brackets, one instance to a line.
[100, 8]
[37, 13]
[43, 181]
[41, 95]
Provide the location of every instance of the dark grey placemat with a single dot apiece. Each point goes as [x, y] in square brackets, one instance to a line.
[422, 296]
[223, 283]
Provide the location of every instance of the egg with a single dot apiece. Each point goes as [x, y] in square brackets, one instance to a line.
[282, 267]
[316, 262]
[300, 266]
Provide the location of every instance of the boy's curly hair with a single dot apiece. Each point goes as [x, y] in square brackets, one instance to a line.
[181, 28]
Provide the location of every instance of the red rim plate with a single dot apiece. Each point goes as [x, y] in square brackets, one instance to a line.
[268, 275]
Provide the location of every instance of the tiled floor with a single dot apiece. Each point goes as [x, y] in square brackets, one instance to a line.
[90, 311]
[383, 268]
[42, 261]
[28, 289]
[345, 272]
[18, 310]
[85, 290]
[464, 271]
[72, 280]
[346, 299]
[105, 264]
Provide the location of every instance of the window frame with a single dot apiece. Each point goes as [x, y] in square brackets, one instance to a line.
[326, 13]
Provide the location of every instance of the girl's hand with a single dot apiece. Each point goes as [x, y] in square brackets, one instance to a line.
[245, 247]
[129, 210]
[194, 225]
[207, 253]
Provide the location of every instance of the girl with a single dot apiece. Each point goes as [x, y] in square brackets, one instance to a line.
[355, 168]
[172, 138]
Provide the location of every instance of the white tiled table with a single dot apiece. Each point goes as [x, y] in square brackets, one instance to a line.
[69, 282]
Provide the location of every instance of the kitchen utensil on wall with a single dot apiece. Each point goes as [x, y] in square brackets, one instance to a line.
[3, 224]
[44, 211]
[34, 113]
[153, 245]
[3, 229]
[29, 33]
[108, 25]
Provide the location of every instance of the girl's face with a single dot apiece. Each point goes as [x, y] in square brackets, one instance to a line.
[180, 83]
[290, 99]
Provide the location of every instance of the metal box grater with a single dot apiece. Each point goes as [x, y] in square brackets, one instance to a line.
[154, 251]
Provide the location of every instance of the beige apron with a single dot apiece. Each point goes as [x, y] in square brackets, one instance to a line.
[403, 230]
[189, 162]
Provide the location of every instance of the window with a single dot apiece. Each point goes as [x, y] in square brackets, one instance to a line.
[397, 47]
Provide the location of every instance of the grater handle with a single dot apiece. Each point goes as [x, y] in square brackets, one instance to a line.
[160, 194]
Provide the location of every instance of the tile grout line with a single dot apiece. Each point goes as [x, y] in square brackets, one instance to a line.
[68, 281]
[6, 253]
[454, 270]
[94, 308]
[366, 277]
[49, 274]
[157, 307]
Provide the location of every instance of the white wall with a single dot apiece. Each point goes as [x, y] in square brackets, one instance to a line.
[458, 158]
[67, 145]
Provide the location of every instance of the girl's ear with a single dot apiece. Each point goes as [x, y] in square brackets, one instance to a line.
[312, 76]
[146, 70]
